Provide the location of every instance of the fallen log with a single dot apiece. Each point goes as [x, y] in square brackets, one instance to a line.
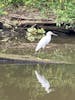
[20, 59]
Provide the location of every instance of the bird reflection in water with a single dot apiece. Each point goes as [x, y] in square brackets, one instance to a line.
[44, 82]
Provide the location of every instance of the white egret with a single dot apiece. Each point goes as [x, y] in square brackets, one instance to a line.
[43, 82]
[44, 41]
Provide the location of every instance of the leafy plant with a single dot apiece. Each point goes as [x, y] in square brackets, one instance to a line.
[33, 34]
[66, 15]
[2, 9]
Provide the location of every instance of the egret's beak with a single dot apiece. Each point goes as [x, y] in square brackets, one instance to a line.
[54, 34]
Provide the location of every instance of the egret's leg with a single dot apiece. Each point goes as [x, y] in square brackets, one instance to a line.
[39, 51]
[36, 53]
[43, 49]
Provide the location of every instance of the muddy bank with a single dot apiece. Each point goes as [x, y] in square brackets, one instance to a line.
[25, 53]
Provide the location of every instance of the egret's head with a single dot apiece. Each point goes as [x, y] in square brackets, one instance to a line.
[50, 33]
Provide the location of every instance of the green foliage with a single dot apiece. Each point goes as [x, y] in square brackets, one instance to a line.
[17, 2]
[65, 15]
[2, 9]
[64, 9]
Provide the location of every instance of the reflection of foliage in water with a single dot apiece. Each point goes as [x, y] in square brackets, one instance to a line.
[21, 79]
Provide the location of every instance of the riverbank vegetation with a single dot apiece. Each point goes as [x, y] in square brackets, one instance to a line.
[63, 9]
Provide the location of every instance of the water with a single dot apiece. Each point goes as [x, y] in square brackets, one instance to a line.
[19, 82]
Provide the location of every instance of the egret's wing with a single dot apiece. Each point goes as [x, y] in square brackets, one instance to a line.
[41, 43]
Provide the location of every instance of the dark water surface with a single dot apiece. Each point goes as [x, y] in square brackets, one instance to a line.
[18, 82]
